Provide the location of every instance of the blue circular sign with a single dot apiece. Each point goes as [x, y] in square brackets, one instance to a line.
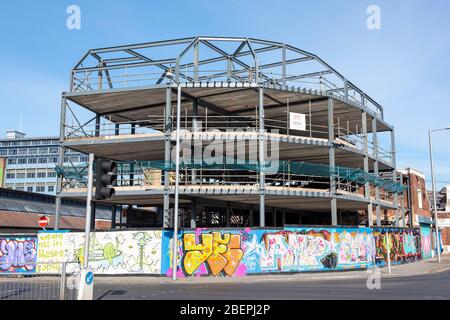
[89, 277]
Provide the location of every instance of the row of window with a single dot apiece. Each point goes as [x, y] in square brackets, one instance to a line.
[30, 175]
[50, 188]
[28, 142]
[43, 160]
[28, 151]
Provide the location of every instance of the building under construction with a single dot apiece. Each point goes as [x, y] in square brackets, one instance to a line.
[268, 135]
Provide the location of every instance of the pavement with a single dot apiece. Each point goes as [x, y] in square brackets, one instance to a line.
[421, 280]
[424, 280]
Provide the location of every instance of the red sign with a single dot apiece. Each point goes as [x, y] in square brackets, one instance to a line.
[43, 221]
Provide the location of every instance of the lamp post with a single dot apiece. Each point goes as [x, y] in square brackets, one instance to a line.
[433, 184]
[177, 180]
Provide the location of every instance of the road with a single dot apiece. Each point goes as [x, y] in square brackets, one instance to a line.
[420, 287]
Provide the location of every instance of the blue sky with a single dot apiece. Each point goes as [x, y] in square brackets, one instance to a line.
[404, 66]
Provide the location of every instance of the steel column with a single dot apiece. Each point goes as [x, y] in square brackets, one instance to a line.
[261, 159]
[375, 170]
[167, 146]
[394, 176]
[113, 216]
[193, 212]
[332, 163]
[366, 168]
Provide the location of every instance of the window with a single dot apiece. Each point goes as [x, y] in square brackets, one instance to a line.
[31, 175]
[32, 160]
[36, 142]
[419, 198]
[51, 188]
[42, 160]
[12, 161]
[22, 161]
[3, 152]
[32, 151]
[12, 152]
[41, 174]
[30, 189]
[51, 174]
[5, 143]
[53, 150]
[40, 189]
[23, 151]
[53, 160]
[20, 175]
[10, 176]
[26, 143]
[43, 150]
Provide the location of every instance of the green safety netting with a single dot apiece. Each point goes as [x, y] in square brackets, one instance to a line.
[72, 172]
[288, 167]
[270, 168]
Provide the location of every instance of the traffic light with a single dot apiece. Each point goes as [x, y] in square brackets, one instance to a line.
[106, 179]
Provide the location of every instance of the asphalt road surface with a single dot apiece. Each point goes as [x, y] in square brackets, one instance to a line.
[424, 287]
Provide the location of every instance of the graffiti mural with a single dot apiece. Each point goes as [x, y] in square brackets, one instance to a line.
[227, 252]
[115, 252]
[404, 245]
[425, 240]
[18, 254]
[240, 252]
[220, 251]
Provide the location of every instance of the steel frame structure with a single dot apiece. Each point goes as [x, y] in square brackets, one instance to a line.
[111, 83]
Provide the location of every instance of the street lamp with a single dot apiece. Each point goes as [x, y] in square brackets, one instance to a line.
[169, 75]
[433, 184]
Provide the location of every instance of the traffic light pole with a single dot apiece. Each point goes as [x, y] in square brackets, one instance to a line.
[87, 229]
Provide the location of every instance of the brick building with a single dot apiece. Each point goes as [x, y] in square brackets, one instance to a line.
[443, 212]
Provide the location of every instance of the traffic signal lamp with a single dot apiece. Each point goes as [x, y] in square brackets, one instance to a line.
[106, 179]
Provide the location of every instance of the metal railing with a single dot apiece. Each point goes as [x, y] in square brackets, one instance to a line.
[49, 281]
[244, 124]
[129, 77]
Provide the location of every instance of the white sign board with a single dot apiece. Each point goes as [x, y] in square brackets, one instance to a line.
[297, 121]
